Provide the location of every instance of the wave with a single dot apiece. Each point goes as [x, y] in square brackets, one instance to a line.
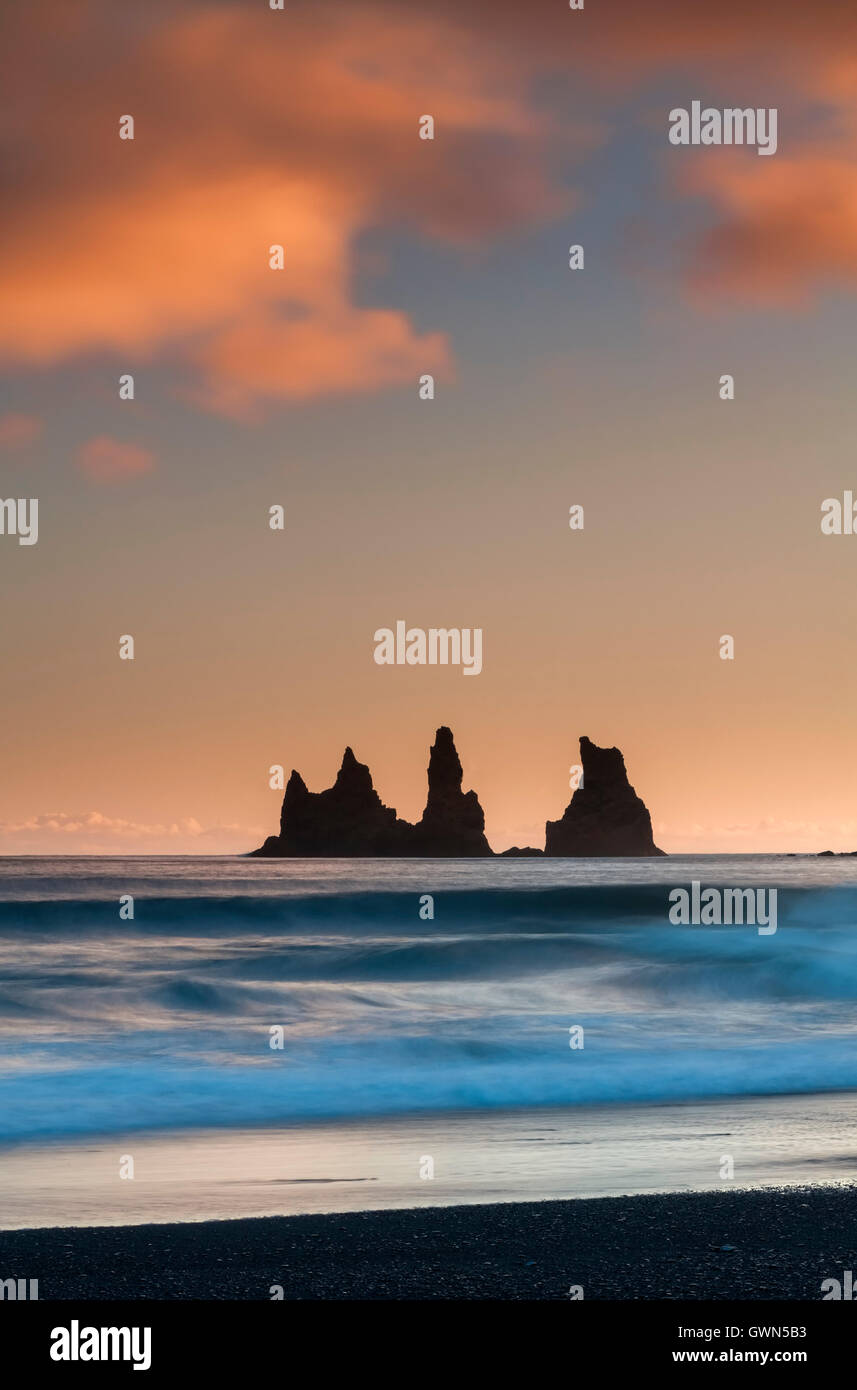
[475, 935]
[338, 1081]
[164, 1021]
[467, 909]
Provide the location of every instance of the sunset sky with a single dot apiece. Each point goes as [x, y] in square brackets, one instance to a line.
[300, 387]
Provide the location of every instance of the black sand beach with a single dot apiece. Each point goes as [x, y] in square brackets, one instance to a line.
[771, 1244]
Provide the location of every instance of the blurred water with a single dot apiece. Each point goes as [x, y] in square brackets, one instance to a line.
[477, 1156]
[112, 1028]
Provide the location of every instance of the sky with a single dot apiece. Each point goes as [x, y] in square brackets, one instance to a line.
[255, 387]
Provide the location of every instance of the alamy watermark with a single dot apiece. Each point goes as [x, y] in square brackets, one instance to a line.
[715, 907]
[76, 1343]
[439, 646]
[16, 1290]
[14, 520]
[752, 125]
[838, 518]
[839, 1290]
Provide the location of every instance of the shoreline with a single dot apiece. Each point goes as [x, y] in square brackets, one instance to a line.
[746, 1244]
[503, 1156]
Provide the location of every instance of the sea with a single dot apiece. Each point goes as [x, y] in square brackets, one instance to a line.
[286, 1036]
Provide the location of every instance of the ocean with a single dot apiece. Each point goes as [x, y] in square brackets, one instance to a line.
[423, 1060]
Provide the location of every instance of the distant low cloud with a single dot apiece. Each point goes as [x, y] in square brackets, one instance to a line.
[91, 832]
[766, 835]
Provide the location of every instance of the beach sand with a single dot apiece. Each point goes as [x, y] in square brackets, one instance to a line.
[669, 1246]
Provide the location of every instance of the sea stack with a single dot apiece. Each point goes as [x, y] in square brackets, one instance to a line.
[605, 817]
[349, 819]
[453, 822]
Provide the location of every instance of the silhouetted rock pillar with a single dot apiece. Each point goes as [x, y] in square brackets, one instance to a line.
[605, 816]
[453, 822]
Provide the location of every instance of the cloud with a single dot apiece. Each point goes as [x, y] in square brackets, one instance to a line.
[107, 460]
[782, 232]
[91, 832]
[18, 430]
[251, 131]
[257, 127]
[627, 37]
[769, 834]
[348, 352]
[782, 229]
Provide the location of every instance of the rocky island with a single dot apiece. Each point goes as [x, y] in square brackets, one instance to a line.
[605, 817]
[349, 820]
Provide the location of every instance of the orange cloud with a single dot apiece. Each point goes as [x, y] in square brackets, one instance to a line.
[107, 460]
[783, 230]
[785, 226]
[92, 832]
[257, 127]
[252, 130]
[350, 351]
[612, 41]
[18, 430]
